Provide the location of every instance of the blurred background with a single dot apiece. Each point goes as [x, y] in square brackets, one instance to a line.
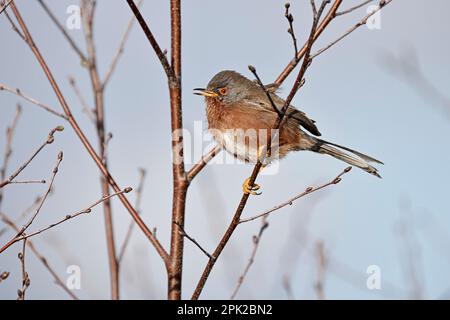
[382, 91]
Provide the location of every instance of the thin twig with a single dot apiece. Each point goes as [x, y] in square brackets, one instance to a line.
[192, 173]
[97, 159]
[25, 212]
[353, 8]
[32, 100]
[184, 234]
[289, 202]
[14, 27]
[45, 196]
[64, 32]
[120, 49]
[28, 182]
[137, 206]
[322, 262]
[49, 140]
[256, 240]
[266, 91]
[40, 205]
[290, 19]
[73, 215]
[25, 278]
[287, 287]
[4, 6]
[293, 63]
[159, 53]
[8, 147]
[86, 109]
[88, 11]
[41, 258]
[363, 22]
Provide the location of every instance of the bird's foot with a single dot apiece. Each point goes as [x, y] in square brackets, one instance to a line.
[247, 189]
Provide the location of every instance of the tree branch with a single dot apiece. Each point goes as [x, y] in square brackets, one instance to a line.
[203, 162]
[73, 215]
[289, 202]
[32, 100]
[159, 248]
[120, 49]
[8, 148]
[66, 35]
[325, 22]
[137, 205]
[41, 258]
[256, 240]
[159, 53]
[49, 140]
[25, 278]
[363, 22]
[184, 234]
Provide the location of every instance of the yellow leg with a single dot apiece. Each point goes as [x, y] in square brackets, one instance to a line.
[246, 185]
[247, 189]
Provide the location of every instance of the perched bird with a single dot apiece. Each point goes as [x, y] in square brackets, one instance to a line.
[238, 110]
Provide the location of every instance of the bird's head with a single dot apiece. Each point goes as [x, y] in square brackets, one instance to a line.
[227, 87]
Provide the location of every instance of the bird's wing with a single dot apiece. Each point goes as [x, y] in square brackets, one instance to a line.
[261, 101]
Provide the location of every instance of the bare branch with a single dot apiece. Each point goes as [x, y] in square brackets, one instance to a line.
[97, 159]
[120, 49]
[184, 234]
[39, 207]
[4, 6]
[49, 140]
[287, 287]
[28, 182]
[64, 32]
[159, 53]
[137, 205]
[274, 106]
[73, 215]
[88, 10]
[353, 8]
[293, 63]
[8, 147]
[14, 27]
[32, 100]
[24, 213]
[256, 240]
[322, 262]
[191, 174]
[363, 22]
[289, 202]
[86, 109]
[41, 258]
[290, 19]
[25, 277]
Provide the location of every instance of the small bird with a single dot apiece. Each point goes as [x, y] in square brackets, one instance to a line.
[236, 106]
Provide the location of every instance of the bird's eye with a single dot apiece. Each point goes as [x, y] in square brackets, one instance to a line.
[223, 91]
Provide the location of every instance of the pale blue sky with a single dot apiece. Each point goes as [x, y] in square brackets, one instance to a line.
[350, 91]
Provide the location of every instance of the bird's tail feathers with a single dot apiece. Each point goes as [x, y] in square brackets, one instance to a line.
[361, 161]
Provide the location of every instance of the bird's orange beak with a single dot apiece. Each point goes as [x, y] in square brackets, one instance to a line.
[206, 93]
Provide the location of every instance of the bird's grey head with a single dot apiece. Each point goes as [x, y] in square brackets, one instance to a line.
[227, 86]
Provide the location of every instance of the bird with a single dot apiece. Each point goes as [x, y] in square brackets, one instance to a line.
[239, 109]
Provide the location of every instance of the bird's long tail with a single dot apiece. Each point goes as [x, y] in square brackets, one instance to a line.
[361, 161]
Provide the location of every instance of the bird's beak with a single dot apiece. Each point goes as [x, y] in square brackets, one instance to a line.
[204, 92]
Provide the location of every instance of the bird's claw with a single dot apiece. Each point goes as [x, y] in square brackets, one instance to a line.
[247, 189]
